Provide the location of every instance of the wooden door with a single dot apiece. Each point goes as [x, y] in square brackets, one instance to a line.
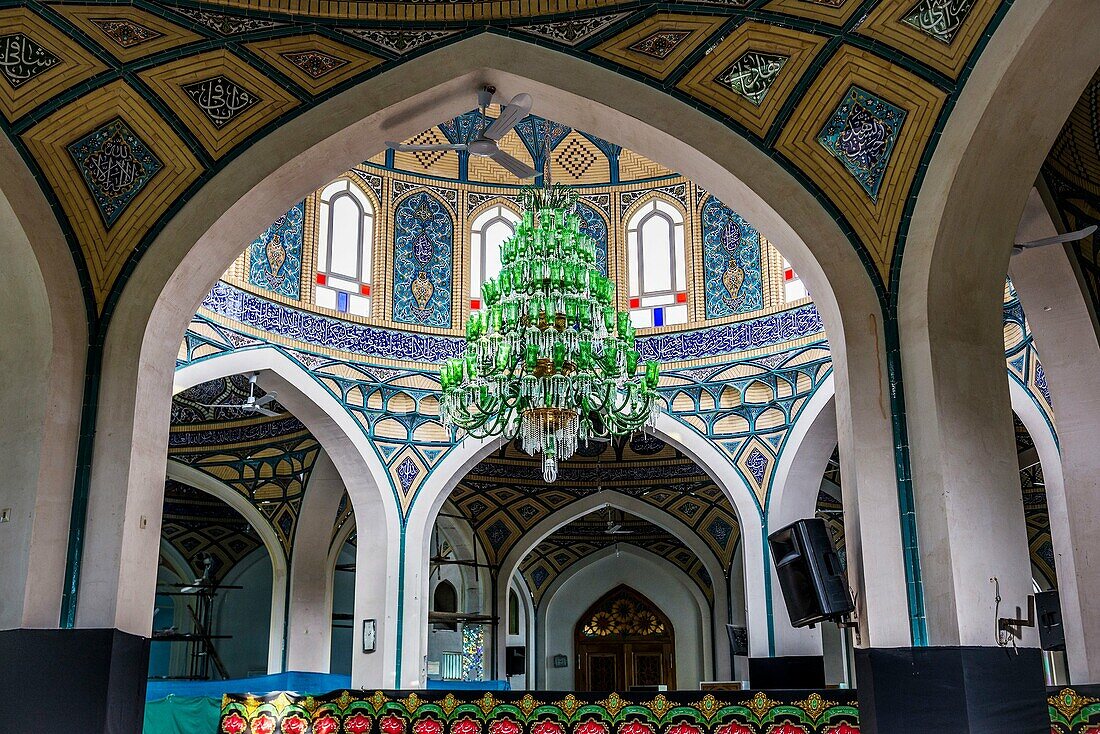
[624, 640]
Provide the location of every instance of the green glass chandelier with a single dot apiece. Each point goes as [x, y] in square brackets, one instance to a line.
[549, 359]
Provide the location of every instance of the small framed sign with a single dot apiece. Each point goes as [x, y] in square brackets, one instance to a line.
[370, 630]
[561, 661]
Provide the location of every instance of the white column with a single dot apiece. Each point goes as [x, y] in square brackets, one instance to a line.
[1066, 338]
[309, 616]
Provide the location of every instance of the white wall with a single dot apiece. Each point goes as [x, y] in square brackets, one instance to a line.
[650, 576]
[343, 602]
[244, 614]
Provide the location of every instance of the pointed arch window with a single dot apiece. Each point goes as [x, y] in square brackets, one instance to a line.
[345, 241]
[657, 270]
[488, 232]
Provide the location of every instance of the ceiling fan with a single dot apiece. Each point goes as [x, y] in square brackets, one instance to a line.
[615, 528]
[1055, 240]
[485, 144]
[252, 404]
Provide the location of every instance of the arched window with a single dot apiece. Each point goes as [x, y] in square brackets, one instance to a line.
[793, 287]
[513, 612]
[445, 599]
[489, 231]
[345, 240]
[655, 261]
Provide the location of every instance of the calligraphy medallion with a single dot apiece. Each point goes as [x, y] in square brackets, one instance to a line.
[752, 74]
[220, 99]
[22, 59]
[861, 134]
[116, 165]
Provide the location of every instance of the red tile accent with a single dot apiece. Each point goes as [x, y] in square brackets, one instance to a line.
[321, 278]
[788, 274]
[681, 298]
[364, 289]
[635, 302]
[475, 304]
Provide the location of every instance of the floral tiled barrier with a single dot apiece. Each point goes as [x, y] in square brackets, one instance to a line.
[430, 712]
[1075, 711]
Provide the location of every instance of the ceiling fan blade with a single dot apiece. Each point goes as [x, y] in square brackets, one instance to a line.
[223, 406]
[403, 148]
[264, 411]
[509, 117]
[513, 165]
[1056, 239]
[260, 402]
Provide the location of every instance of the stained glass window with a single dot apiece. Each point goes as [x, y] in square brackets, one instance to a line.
[489, 231]
[473, 652]
[657, 272]
[345, 239]
[623, 613]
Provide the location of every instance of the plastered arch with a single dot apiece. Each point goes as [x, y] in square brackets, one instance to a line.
[361, 474]
[214, 487]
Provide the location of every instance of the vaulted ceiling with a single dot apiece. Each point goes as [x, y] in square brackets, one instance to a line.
[123, 110]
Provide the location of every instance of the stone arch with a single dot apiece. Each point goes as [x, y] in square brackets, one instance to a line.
[193, 248]
[43, 342]
[214, 487]
[358, 470]
[949, 305]
[509, 567]
[655, 591]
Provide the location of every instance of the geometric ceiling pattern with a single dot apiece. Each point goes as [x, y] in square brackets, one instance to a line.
[581, 538]
[201, 526]
[124, 110]
[504, 496]
[1072, 176]
[267, 460]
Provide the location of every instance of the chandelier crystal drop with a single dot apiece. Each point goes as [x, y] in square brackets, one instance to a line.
[549, 360]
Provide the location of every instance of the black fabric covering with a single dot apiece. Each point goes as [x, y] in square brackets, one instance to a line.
[90, 681]
[790, 671]
[951, 690]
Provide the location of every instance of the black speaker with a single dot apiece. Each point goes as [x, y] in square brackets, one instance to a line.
[810, 576]
[1048, 609]
[515, 661]
[739, 639]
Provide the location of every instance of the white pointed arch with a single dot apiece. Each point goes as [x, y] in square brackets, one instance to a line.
[359, 467]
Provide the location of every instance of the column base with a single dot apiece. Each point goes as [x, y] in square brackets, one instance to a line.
[787, 671]
[86, 680]
[951, 690]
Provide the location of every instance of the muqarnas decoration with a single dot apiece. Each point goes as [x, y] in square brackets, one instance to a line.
[731, 262]
[275, 257]
[422, 262]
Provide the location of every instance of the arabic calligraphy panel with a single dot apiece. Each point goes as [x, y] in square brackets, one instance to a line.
[750, 74]
[116, 164]
[100, 154]
[861, 134]
[37, 62]
[222, 99]
[940, 33]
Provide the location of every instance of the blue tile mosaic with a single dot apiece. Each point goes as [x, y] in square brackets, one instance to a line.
[731, 262]
[861, 134]
[595, 226]
[423, 252]
[116, 165]
[275, 257]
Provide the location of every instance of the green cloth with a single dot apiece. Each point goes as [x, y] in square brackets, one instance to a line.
[182, 715]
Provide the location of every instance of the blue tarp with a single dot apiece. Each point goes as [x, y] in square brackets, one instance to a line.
[469, 685]
[301, 682]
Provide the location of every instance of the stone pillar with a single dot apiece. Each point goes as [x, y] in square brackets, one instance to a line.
[309, 616]
[1065, 336]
